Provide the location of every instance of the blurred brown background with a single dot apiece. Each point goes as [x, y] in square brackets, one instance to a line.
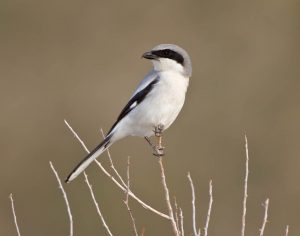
[80, 61]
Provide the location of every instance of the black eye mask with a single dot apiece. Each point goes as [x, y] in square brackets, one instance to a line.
[168, 53]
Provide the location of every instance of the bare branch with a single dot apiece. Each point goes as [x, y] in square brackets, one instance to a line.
[14, 213]
[96, 204]
[262, 229]
[143, 231]
[131, 194]
[193, 205]
[287, 231]
[176, 215]
[209, 208]
[181, 222]
[112, 164]
[65, 198]
[245, 188]
[167, 197]
[127, 199]
[77, 137]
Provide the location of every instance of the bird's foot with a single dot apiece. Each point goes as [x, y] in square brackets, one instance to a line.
[159, 151]
[158, 130]
[149, 142]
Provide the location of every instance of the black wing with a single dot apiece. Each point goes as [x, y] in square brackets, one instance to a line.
[134, 101]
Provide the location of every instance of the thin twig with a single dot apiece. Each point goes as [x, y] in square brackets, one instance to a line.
[96, 204]
[193, 205]
[65, 198]
[131, 194]
[143, 231]
[76, 136]
[209, 208]
[245, 188]
[127, 199]
[14, 213]
[167, 197]
[262, 229]
[287, 230]
[176, 215]
[181, 222]
[111, 162]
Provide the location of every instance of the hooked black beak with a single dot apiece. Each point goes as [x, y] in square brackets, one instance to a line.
[149, 55]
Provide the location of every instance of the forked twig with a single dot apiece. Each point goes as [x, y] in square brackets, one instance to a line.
[14, 213]
[245, 189]
[262, 229]
[127, 198]
[65, 198]
[167, 197]
[176, 215]
[287, 230]
[209, 208]
[193, 206]
[181, 222]
[96, 204]
[131, 194]
[112, 164]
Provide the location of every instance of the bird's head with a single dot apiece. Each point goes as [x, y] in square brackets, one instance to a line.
[170, 57]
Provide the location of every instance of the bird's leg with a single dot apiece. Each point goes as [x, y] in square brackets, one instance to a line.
[159, 149]
[150, 143]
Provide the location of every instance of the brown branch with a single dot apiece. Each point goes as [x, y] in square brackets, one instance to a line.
[112, 164]
[209, 208]
[181, 222]
[127, 199]
[245, 189]
[193, 206]
[131, 194]
[96, 204]
[65, 198]
[14, 214]
[176, 215]
[167, 197]
[287, 231]
[262, 229]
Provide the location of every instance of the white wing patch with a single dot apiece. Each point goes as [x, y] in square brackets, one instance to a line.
[133, 105]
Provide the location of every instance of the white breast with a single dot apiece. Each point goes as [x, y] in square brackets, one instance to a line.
[169, 97]
[161, 106]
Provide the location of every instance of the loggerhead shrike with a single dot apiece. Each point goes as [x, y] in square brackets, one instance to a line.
[154, 105]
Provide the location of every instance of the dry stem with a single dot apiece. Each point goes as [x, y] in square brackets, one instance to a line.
[287, 230]
[176, 215]
[209, 208]
[131, 194]
[245, 189]
[167, 197]
[262, 229]
[181, 222]
[193, 206]
[65, 198]
[14, 213]
[96, 204]
[127, 199]
[112, 164]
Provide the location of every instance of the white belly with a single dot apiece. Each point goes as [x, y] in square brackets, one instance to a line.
[161, 106]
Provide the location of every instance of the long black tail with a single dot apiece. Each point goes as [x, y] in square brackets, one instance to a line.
[89, 158]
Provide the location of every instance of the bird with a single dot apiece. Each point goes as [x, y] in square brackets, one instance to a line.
[154, 105]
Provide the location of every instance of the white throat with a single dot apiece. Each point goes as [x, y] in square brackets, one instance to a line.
[166, 64]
